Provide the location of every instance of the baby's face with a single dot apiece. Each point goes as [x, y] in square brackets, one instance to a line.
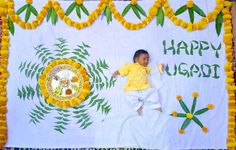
[143, 59]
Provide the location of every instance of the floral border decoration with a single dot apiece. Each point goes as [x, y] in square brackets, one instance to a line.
[7, 8]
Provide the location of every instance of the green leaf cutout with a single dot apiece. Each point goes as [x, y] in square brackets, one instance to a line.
[191, 14]
[198, 10]
[11, 26]
[181, 10]
[70, 8]
[125, 11]
[33, 10]
[135, 11]
[219, 22]
[185, 123]
[27, 14]
[78, 11]
[84, 9]
[140, 9]
[160, 17]
[20, 10]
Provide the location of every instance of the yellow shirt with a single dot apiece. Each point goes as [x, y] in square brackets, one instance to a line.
[137, 77]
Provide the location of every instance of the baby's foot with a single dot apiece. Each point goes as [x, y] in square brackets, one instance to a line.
[159, 109]
[140, 110]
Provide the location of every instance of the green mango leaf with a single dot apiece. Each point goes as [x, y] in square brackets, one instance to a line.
[201, 111]
[191, 14]
[135, 11]
[11, 26]
[54, 17]
[193, 105]
[78, 11]
[185, 123]
[140, 9]
[84, 9]
[33, 10]
[198, 10]
[181, 10]
[183, 105]
[219, 22]
[160, 17]
[70, 8]
[195, 119]
[125, 11]
[20, 10]
[27, 14]
[108, 14]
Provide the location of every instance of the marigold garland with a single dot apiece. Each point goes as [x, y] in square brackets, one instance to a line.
[3, 71]
[228, 40]
[169, 12]
[85, 89]
[8, 7]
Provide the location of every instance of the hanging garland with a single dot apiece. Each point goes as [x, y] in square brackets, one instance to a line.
[52, 10]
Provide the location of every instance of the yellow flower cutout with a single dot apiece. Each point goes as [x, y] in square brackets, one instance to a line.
[64, 83]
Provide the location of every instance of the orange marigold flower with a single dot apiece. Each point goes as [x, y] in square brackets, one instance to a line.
[210, 106]
[133, 2]
[29, 1]
[195, 94]
[79, 2]
[181, 131]
[190, 4]
[205, 129]
[179, 97]
[174, 114]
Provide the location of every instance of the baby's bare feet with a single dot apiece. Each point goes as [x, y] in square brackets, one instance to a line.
[140, 111]
[159, 109]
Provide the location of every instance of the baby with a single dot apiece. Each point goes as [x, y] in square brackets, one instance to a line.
[138, 89]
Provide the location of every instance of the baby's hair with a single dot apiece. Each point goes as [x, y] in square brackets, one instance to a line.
[138, 53]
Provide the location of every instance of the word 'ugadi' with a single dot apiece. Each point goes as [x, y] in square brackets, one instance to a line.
[203, 70]
[192, 48]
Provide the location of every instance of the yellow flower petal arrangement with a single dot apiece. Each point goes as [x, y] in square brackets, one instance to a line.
[76, 74]
[191, 115]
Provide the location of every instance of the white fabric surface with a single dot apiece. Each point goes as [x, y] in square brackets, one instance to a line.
[122, 127]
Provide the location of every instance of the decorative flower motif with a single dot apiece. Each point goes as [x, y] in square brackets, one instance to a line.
[58, 76]
[191, 114]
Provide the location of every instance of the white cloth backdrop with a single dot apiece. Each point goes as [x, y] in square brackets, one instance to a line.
[122, 127]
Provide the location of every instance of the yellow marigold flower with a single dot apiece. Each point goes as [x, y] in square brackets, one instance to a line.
[133, 2]
[190, 4]
[210, 106]
[190, 27]
[29, 1]
[205, 129]
[79, 2]
[181, 131]
[189, 115]
[228, 3]
[178, 97]
[195, 94]
[174, 114]
[153, 11]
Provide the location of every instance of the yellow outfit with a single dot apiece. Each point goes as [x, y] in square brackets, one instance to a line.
[137, 77]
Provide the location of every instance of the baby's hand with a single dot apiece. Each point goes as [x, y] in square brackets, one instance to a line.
[161, 68]
[116, 73]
